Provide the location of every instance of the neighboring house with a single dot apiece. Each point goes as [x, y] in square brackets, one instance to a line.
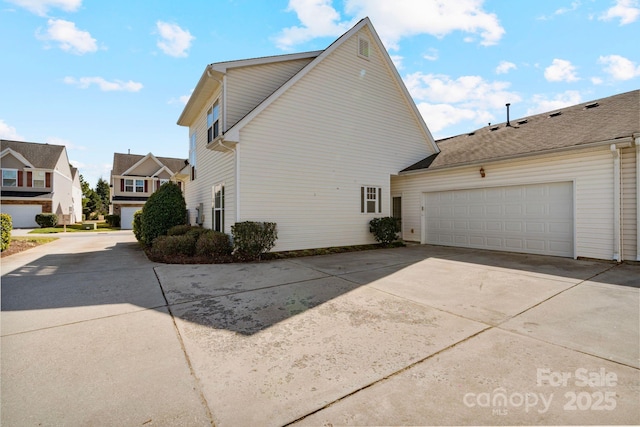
[561, 183]
[309, 141]
[134, 178]
[37, 178]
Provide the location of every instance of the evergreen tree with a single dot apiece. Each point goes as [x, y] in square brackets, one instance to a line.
[102, 191]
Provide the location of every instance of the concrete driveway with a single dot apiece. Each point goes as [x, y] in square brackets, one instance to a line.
[95, 334]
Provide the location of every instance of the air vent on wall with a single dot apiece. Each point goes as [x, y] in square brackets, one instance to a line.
[363, 47]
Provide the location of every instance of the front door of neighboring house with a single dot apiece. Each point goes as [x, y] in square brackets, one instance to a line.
[396, 211]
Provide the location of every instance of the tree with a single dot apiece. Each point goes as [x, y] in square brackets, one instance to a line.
[102, 192]
[164, 209]
[87, 204]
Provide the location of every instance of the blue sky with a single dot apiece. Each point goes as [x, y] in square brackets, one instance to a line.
[110, 76]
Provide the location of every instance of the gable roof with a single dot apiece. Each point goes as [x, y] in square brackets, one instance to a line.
[123, 162]
[212, 77]
[40, 156]
[233, 133]
[600, 121]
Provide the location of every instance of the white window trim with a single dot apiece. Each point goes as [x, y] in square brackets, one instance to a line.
[215, 208]
[364, 199]
[16, 178]
[211, 136]
[135, 186]
[44, 179]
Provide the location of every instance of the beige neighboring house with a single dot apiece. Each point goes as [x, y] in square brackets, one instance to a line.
[310, 141]
[134, 178]
[561, 183]
[37, 178]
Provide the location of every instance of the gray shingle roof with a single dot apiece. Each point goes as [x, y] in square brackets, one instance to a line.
[606, 119]
[122, 162]
[42, 156]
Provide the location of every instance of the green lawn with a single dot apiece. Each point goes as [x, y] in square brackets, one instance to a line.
[73, 228]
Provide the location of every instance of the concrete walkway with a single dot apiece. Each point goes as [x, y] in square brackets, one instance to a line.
[95, 334]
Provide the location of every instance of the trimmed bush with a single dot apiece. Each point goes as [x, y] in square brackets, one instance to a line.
[179, 230]
[385, 230]
[214, 244]
[112, 220]
[164, 209]
[7, 225]
[47, 220]
[184, 245]
[137, 225]
[252, 239]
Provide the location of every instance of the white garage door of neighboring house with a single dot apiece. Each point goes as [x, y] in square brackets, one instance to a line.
[126, 217]
[23, 216]
[535, 218]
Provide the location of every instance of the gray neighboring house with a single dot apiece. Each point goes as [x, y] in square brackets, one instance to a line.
[561, 183]
[37, 178]
[134, 177]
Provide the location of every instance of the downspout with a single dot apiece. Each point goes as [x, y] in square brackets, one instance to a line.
[615, 151]
[637, 142]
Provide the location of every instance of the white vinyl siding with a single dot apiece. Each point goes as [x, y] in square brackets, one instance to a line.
[305, 158]
[629, 191]
[248, 86]
[591, 170]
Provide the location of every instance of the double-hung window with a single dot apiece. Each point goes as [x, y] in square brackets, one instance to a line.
[38, 179]
[134, 185]
[218, 207]
[139, 186]
[128, 185]
[213, 122]
[9, 178]
[192, 155]
[370, 200]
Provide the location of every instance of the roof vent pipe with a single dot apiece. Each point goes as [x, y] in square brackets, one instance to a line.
[508, 122]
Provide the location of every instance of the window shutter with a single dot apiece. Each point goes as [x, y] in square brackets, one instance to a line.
[362, 199]
[379, 200]
[47, 179]
[20, 183]
[29, 179]
[121, 184]
[157, 185]
[146, 186]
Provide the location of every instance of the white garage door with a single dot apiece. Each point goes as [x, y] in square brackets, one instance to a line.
[126, 217]
[23, 216]
[534, 219]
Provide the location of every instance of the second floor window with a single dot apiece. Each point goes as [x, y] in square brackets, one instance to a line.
[134, 185]
[139, 186]
[192, 155]
[38, 179]
[9, 178]
[213, 122]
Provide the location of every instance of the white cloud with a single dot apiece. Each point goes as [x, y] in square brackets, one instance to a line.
[561, 70]
[542, 104]
[505, 66]
[444, 101]
[431, 55]
[9, 132]
[54, 140]
[393, 20]
[397, 61]
[183, 99]
[627, 11]
[69, 38]
[596, 80]
[104, 85]
[318, 19]
[174, 41]
[574, 6]
[619, 67]
[41, 7]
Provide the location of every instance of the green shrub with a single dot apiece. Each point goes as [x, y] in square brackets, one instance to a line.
[47, 220]
[179, 230]
[137, 225]
[112, 220]
[7, 226]
[163, 246]
[163, 210]
[385, 230]
[214, 244]
[252, 239]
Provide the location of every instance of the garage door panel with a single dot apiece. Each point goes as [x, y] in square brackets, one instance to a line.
[126, 217]
[22, 216]
[534, 218]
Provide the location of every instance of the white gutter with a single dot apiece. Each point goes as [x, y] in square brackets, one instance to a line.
[615, 151]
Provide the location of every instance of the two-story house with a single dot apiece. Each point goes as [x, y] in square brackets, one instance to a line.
[308, 140]
[134, 178]
[37, 178]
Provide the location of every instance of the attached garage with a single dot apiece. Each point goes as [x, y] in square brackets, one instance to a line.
[126, 217]
[534, 218]
[22, 216]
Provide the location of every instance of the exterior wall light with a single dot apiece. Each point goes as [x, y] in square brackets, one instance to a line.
[482, 174]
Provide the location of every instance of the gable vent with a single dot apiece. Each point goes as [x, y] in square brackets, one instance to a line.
[589, 106]
[556, 114]
[363, 47]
